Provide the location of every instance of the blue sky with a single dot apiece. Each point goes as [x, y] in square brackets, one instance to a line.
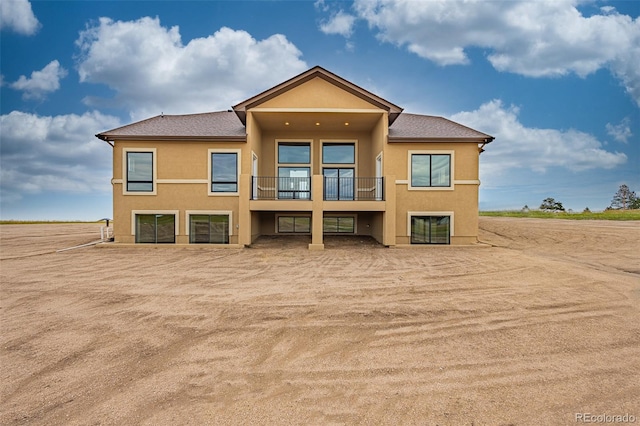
[557, 83]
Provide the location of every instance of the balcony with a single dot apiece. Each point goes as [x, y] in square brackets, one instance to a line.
[334, 188]
[280, 188]
[353, 188]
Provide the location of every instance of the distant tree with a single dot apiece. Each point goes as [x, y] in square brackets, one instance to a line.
[551, 205]
[635, 204]
[624, 199]
[586, 210]
[525, 209]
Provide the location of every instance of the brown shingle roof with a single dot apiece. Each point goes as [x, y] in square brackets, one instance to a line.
[225, 125]
[415, 126]
[210, 125]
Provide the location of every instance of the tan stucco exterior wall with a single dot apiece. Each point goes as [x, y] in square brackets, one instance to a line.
[182, 184]
[317, 93]
[183, 168]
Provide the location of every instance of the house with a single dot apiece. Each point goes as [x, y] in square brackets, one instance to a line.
[316, 155]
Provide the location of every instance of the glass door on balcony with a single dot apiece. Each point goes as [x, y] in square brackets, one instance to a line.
[294, 183]
[339, 183]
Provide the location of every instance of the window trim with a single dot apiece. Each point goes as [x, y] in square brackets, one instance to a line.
[432, 213]
[211, 151]
[125, 171]
[451, 154]
[175, 213]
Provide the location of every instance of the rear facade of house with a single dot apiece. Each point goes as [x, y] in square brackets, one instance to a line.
[315, 155]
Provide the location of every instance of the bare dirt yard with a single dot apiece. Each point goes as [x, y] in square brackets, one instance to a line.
[541, 325]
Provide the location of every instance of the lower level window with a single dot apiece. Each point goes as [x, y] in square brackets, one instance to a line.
[209, 229]
[294, 224]
[339, 225]
[430, 229]
[155, 228]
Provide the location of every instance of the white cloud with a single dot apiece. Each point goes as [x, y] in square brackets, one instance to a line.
[16, 15]
[620, 132]
[339, 23]
[152, 71]
[519, 147]
[321, 5]
[54, 154]
[41, 82]
[531, 38]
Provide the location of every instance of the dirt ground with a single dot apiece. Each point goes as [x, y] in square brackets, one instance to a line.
[539, 326]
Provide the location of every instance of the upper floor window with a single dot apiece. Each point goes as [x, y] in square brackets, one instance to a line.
[294, 170]
[224, 172]
[294, 153]
[430, 170]
[139, 171]
[338, 153]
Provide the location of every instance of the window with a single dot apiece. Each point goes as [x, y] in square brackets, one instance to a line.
[339, 225]
[339, 184]
[139, 171]
[209, 229]
[430, 229]
[294, 183]
[294, 224]
[294, 178]
[294, 153]
[338, 153]
[224, 172]
[155, 228]
[430, 170]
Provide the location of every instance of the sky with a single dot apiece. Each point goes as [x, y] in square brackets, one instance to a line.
[557, 83]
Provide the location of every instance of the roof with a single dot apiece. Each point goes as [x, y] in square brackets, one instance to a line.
[414, 127]
[225, 126]
[221, 125]
[230, 125]
[317, 72]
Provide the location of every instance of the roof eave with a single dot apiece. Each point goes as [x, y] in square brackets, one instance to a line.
[405, 139]
[108, 138]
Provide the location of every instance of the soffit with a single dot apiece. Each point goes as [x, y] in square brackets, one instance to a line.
[326, 121]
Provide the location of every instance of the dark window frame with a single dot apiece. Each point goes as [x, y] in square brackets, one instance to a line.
[131, 181]
[338, 219]
[279, 231]
[304, 144]
[194, 236]
[139, 235]
[431, 236]
[224, 182]
[334, 144]
[431, 179]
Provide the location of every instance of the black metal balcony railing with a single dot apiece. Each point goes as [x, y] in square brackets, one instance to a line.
[353, 188]
[280, 188]
[335, 188]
